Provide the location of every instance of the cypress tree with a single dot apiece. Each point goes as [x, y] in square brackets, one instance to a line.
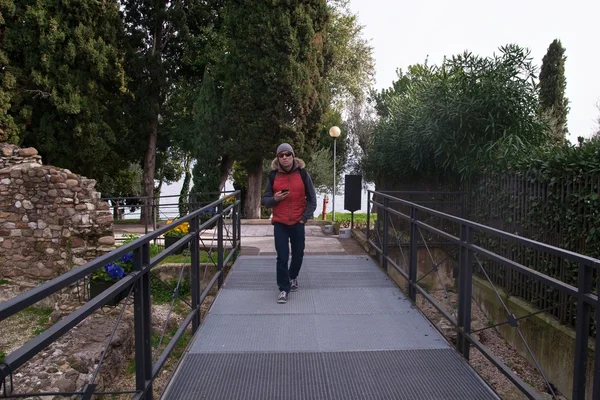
[553, 103]
[274, 82]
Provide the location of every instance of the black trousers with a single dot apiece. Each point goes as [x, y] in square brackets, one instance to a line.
[286, 236]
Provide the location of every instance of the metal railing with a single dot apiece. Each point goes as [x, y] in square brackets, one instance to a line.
[425, 225]
[157, 208]
[136, 283]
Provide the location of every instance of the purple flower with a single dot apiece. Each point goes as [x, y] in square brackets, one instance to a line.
[127, 257]
[114, 271]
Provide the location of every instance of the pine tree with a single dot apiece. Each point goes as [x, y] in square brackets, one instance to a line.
[554, 105]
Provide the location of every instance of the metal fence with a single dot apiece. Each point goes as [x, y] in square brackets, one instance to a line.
[563, 213]
[158, 208]
[427, 227]
[135, 284]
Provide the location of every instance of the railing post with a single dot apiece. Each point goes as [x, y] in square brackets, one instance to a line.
[154, 213]
[195, 272]
[596, 394]
[145, 214]
[582, 332]
[368, 216]
[465, 290]
[413, 264]
[220, 247]
[233, 230]
[143, 322]
[384, 245]
[239, 214]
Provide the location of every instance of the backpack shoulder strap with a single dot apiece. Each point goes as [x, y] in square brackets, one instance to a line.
[304, 175]
[272, 176]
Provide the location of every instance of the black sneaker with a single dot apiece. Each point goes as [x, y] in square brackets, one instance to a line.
[293, 285]
[282, 297]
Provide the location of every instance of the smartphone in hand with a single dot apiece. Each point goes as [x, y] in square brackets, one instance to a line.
[284, 190]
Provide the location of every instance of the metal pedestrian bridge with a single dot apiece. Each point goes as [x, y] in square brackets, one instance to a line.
[347, 333]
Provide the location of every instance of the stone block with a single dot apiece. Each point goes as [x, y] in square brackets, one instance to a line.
[27, 152]
[106, 241]
[77, 242]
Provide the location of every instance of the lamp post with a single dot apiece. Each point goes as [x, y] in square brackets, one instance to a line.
[334, 132]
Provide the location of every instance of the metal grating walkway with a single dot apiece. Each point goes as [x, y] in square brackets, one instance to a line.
[348, 333]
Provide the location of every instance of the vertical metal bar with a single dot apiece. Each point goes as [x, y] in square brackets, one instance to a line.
[596, 375]
[384, 245]
[145, 215]
[582, 332]
[234, 232]
[465, 290]
[239, 214]
[143, 322]
[195, 273]
[413, 263]
[154, 213]
[368, 215]
[220, 247]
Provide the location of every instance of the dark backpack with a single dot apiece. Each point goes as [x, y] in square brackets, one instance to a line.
[303, 174]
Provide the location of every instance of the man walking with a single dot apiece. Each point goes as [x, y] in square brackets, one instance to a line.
[291, 194]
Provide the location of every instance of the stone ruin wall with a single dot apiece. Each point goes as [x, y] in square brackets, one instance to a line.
[51, 220]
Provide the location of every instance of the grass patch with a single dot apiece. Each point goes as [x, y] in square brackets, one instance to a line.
[186, 258]
[3, 281]
[41, 315]
[344, 219]
[162, 294]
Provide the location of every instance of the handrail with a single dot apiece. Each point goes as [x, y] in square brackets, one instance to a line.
[583, 294]
[139, 278]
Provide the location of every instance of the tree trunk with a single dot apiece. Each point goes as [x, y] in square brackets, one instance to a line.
[224, 170]
[149, 168]
[252, 206]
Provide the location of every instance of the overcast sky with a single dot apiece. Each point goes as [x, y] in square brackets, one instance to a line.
[404, 33]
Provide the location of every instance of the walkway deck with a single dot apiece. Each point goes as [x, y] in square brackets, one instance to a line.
[348, 333]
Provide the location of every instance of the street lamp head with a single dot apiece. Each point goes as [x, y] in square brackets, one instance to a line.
[334, 131]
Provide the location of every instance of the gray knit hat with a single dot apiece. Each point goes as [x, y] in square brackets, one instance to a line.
[285, 147]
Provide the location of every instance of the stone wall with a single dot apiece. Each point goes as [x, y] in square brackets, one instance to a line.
[50, 218]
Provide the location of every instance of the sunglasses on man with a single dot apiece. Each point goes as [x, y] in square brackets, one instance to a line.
[281, 155]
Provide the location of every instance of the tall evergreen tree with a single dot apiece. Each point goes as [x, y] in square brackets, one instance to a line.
[273, 81]
[160, 34]
[62, 69]
[554, 105]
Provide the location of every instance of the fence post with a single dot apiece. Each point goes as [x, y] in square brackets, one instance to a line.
[145, 214]
[582, 332]
[220, 246]
[154, 213]
[234, 231]
[195, 273]
[413, 264]
[465, 290]
[143, 322]
[596, 389]
[384, 244]
[239, 214]
[368, 216]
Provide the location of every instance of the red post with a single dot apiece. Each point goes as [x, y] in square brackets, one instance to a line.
[324, 213]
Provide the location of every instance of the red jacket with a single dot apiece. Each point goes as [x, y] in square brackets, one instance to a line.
[295, 207]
